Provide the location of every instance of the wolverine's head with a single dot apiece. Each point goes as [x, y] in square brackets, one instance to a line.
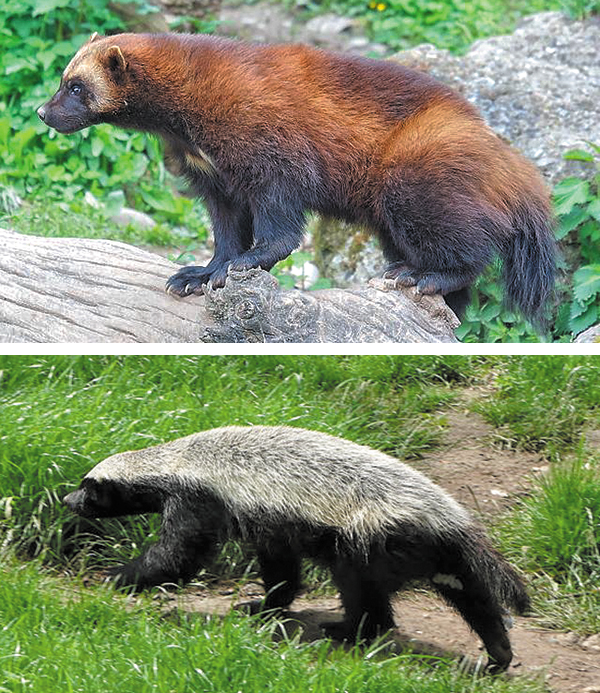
[91, 88]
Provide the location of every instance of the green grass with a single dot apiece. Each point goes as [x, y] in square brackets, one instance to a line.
[62, 414]
[555, 535]
[544, 403]
[58, 636]
[58, 220]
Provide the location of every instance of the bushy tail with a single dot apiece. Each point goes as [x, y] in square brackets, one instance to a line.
[494, 572]
[530, 262]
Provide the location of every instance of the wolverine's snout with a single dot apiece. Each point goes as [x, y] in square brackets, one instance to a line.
[41, 111]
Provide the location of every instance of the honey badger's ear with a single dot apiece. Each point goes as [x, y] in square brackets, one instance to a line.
[116, 62]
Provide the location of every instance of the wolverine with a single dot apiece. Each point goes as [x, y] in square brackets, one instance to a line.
[267, 133]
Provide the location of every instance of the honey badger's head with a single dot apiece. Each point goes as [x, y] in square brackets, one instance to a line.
[92, 87]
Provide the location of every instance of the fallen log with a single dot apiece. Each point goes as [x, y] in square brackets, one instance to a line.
[83, 290]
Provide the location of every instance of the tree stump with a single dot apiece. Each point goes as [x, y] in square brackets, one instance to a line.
[81, 290]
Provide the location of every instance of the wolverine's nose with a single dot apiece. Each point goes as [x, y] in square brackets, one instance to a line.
[41, 111]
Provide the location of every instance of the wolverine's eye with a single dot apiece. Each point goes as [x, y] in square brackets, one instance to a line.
[75, 89]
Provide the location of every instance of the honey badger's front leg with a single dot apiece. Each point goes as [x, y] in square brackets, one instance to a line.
[187, 542]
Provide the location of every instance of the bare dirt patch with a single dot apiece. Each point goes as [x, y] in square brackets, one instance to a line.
[475, 469]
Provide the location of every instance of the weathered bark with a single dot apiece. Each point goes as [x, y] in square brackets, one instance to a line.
[590, 336]
[80, 290]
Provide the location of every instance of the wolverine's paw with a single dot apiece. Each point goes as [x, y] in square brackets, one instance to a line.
[193, 279]
[403, 274]
[426, 282]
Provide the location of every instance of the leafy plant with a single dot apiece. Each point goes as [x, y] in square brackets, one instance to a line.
[487, 319]
[451, 24]
[37, 39]
[294, 272]
[577, 204]
[580, 9]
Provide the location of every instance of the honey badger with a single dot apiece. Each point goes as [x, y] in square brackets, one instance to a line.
[265, 134]
[375, 522]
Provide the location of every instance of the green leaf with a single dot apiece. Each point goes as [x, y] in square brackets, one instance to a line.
[589, 231]
[97, 146]
[286, 281]
[320, 283]
[16, 65]
[593, 209]
[157, 198]
[570, 192]
[571, 220]
[114, 202]
[586, 282]
[489, 312]
[581, 322]
[45, 6]
[579, 155]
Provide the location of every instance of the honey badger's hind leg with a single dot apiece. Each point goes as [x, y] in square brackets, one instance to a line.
[280, 571]
[366, 602]
[484, 615]
[186, 543]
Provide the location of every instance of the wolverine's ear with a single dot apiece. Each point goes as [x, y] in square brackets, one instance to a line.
[116, 61]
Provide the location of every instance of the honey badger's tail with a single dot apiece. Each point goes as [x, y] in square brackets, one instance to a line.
[530, 261]
[493, 572]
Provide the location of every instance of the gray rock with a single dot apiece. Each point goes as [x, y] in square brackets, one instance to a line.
[538, 87]
[589, 336]
[128, 216]
[265, 22]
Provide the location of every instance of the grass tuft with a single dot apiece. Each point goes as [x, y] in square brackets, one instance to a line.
[543, 404]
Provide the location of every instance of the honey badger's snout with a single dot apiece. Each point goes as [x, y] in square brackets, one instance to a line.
[75, 501]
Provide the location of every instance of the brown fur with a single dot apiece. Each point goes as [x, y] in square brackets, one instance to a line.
[265, 133]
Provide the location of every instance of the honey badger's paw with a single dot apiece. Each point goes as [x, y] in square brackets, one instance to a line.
[193, 279]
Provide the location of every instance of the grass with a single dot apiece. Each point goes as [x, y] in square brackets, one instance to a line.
[59, 220]
[555, 535]
[57, 636]
[544, 403]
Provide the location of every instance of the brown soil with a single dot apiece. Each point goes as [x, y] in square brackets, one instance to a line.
[488, 480]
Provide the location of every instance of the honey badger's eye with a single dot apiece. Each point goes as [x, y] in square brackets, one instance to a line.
[75, 89]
